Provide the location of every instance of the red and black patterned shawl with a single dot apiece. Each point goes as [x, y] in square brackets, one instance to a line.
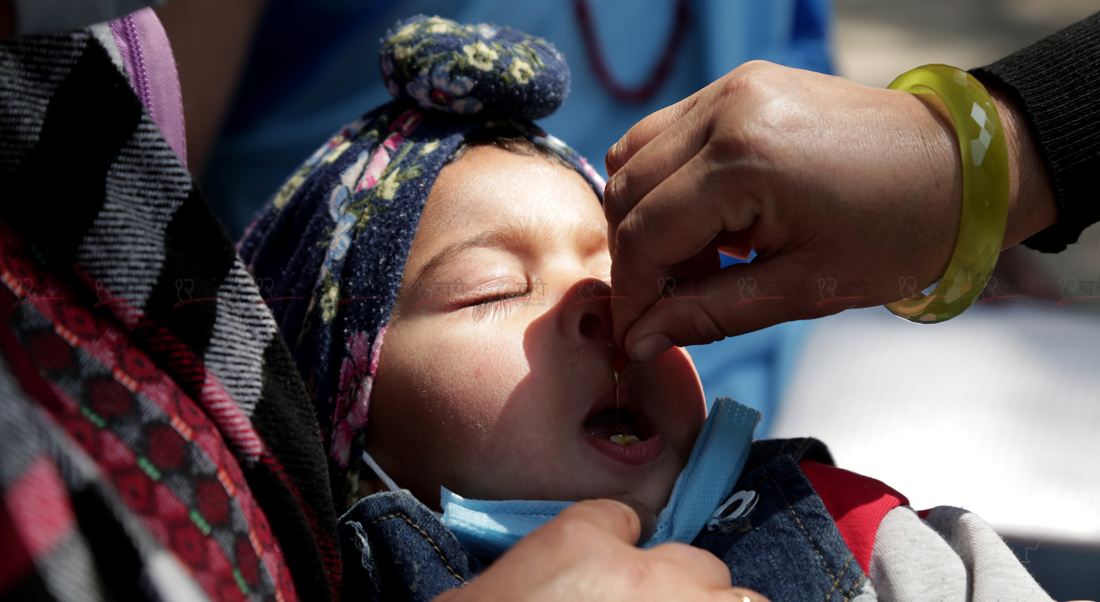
[131, 331]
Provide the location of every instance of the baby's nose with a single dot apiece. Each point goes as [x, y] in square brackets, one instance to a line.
[588, 307]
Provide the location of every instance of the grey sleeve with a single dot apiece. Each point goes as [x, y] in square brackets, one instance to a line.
[45, 16]
[952, 555]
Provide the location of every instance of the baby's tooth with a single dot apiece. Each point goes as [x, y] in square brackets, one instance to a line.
[625, 439]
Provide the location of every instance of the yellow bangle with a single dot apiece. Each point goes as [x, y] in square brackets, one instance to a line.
[985, 192]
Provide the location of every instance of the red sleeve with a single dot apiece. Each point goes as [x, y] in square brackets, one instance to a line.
[857, 504]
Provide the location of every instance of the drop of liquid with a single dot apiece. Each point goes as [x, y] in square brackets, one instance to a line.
[618, 418]
[619, 437]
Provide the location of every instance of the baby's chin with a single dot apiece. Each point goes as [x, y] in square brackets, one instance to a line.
[653, 493]
[656, 498]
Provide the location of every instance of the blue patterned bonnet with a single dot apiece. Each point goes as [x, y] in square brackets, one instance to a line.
[328, 250]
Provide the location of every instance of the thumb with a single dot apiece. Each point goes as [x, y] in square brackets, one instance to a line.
[736, 300]
[623, 517]
[646, 518]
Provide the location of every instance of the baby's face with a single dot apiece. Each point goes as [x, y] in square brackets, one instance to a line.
[495, 378]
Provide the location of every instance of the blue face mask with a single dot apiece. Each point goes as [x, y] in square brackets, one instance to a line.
[489, 528]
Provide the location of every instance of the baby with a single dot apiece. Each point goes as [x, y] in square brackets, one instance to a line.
[478, 387]
[440, 270]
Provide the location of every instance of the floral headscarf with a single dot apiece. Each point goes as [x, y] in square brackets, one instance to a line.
[329, 248]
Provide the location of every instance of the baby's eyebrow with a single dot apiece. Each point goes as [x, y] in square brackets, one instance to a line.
[505, 236]
[490, 238]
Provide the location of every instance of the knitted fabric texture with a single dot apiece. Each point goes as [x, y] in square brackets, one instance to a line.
[1055, 83]
[330, 248]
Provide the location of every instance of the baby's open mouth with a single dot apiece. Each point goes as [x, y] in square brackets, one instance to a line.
[622, 431]
[621, 426]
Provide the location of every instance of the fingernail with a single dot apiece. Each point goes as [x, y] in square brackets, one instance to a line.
[650, 346]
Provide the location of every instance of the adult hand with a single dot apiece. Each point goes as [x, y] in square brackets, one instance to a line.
[850, 196]
[588, 553]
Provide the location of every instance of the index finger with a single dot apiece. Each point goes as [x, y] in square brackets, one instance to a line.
[645, 130]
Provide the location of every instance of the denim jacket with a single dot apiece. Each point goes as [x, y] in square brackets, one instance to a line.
[787, 547]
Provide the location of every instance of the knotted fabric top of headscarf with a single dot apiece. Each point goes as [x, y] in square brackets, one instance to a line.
[329, 248]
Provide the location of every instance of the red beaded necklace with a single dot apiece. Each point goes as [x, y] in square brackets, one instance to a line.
[657, 77]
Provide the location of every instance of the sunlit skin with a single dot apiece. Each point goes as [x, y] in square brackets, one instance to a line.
[486, 392]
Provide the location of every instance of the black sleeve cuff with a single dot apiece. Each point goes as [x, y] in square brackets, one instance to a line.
[1056, 83]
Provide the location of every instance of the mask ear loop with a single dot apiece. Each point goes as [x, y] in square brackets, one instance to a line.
[381, 474]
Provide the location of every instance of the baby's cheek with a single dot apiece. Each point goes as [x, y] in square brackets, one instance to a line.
[521, 454]
[485, 425]
[678, 376]
[683, 404]
[525, 468]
